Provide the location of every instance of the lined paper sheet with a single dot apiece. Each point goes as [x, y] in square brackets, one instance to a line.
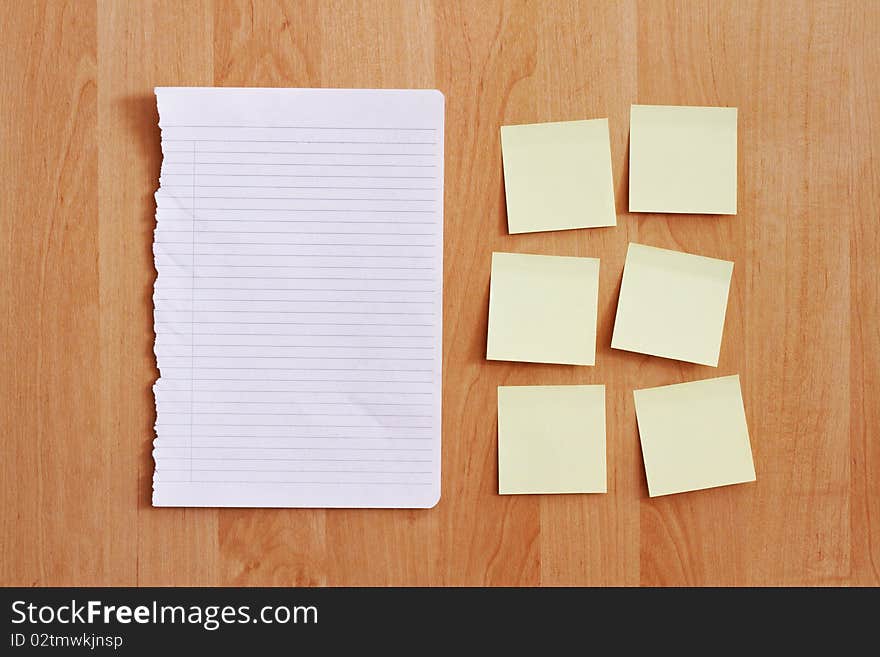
[298, 299]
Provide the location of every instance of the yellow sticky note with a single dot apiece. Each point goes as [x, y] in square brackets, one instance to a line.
[672, 304]
[557, 176]
[551, 439]
[542, 309]
[682, 159]
[694, 436]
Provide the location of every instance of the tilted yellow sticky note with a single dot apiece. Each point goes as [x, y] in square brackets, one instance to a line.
[542, 309]
[557, 176]
[682, 159]
[551, 439]
[694, 436]
[672, 304]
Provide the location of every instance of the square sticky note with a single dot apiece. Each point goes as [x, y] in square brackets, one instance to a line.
[682, 159]
[694, 436]
[542, 309]
[672, 304]
[551, 439]
[557, 176]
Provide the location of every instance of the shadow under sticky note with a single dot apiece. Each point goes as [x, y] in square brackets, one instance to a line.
[551, 439]
[557, 176]
[672, 304]
[682, 159]
[694, 436]
[542, 309]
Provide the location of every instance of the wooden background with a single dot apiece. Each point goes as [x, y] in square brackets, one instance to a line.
[80, 160]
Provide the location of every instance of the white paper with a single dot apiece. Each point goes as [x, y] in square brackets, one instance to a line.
[299, 246]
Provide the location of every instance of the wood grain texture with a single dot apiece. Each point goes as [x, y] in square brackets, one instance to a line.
[81, 158]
